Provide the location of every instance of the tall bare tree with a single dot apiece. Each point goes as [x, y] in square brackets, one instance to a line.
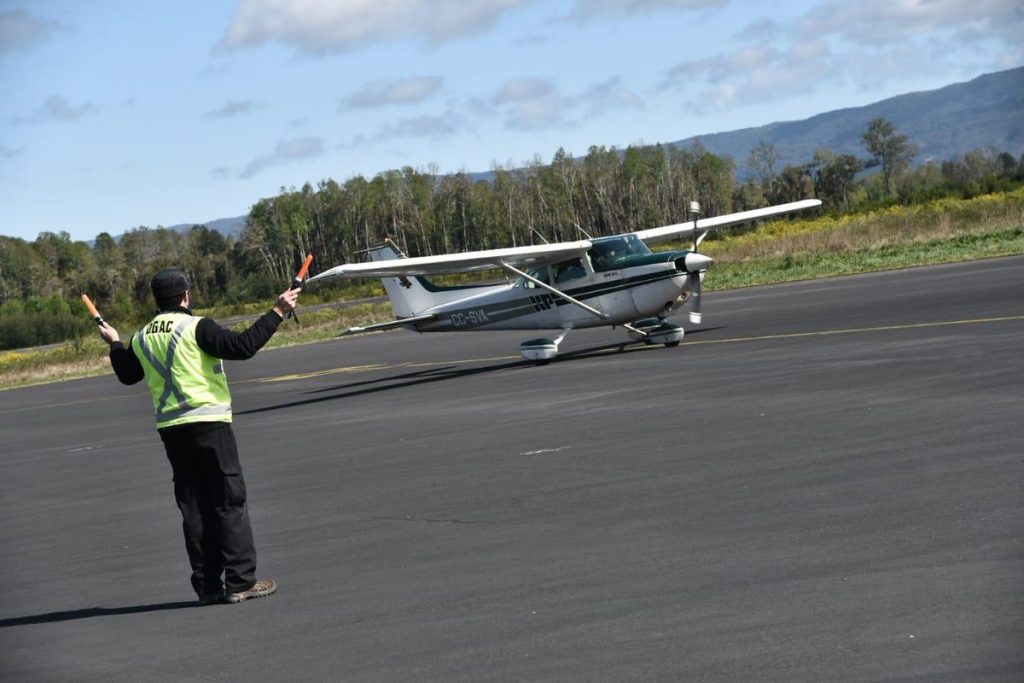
[889, 149]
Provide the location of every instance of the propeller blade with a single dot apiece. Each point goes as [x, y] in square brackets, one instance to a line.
[695, 315]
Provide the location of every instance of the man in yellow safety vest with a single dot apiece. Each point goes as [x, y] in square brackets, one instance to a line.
[181, 356]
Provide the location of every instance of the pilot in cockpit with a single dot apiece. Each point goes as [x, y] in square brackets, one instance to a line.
[569, 270]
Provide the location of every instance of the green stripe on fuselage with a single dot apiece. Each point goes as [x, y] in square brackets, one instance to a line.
[470, 316]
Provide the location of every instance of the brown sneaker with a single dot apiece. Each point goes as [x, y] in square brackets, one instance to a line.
[260, 589]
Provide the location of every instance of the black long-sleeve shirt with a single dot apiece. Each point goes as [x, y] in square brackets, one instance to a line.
[215, 340]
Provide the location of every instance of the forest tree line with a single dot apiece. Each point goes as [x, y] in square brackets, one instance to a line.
[607, 191]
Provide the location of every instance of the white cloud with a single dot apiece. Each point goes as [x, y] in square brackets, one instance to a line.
[760, 30]
[429, 127]
[357, 141]
[381, 93]
[9, 152]
[609, 96]
[231, 108]
[584, 10]
[518, 90]
[1014, 57]
[870, 69]
[724, 66]
[285, 151]
[530, 104]
[432, 127]
[873, 22]
[751, 74]
[59, 108]
[317, 27]
[867, 43]
[18, 30]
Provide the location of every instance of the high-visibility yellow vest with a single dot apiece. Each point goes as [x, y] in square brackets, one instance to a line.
[187, 384]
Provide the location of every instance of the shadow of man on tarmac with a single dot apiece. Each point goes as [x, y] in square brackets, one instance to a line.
[89, 612]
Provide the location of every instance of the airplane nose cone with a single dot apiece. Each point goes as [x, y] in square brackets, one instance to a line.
[695, 262]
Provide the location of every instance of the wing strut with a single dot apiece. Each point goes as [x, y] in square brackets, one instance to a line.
[555, 291]
[389, 325]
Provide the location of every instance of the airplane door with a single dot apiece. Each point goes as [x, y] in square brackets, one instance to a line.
[617, 302]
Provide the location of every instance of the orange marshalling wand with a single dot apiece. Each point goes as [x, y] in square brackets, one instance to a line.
[92, 309]
[297, 282]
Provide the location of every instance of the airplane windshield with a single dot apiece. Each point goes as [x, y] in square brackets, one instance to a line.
[608, 252]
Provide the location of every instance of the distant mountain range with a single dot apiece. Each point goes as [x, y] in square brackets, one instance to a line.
[225, 226]
[987, 111]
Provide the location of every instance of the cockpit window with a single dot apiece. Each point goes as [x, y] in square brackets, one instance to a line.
[608, 252]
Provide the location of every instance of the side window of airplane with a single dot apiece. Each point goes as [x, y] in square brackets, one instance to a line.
[569, 270]
[539, 273]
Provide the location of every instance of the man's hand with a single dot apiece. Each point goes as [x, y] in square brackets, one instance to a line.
[286, 301]
[108, 333]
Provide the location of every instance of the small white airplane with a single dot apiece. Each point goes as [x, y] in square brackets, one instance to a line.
[616, 281]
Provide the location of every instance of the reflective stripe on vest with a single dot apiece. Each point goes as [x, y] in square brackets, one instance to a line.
[204, 398]
[164, 369]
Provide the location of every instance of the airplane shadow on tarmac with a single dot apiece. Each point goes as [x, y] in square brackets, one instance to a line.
[372, 386]
[441, 374]
[89, 612]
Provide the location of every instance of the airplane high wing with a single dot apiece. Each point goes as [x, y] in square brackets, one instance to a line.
[492, 259]
[683, 230]
[615, 280]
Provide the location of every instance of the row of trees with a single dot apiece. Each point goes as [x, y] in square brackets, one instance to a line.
[608, 190]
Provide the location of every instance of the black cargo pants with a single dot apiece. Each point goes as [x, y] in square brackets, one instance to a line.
[210, 492]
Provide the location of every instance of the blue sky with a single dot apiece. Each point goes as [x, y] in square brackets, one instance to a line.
[118, 114]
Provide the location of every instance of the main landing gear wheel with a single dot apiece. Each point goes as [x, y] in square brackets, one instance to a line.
[666, 333]
[657, 331]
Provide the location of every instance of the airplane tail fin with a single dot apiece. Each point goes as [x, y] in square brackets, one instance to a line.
[408, 295]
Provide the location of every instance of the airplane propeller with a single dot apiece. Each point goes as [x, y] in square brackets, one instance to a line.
[695, 315]
[695, 265]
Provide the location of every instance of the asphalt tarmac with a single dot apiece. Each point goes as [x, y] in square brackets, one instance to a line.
[822, 483]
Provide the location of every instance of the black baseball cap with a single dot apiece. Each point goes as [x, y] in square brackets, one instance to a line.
[169, 283]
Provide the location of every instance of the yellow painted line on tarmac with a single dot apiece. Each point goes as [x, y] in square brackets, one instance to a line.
[464, 361]
[858, 330]
[376, 366]
[63, 404]
[767, 337]
[492, 359]
[319, 373]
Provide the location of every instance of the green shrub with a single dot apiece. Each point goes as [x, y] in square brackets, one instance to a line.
[19, 330]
